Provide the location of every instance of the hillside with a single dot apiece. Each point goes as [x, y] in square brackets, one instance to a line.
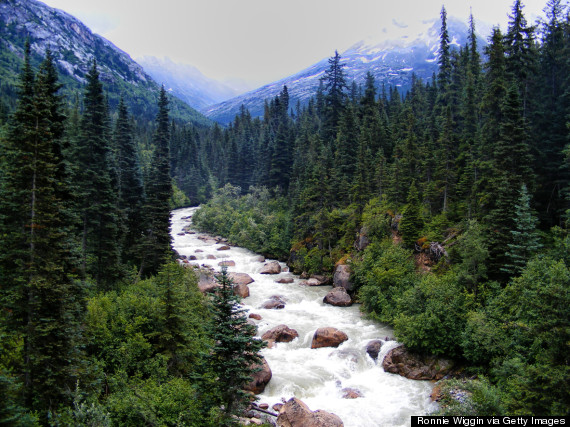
[391, 62]
[74, 46]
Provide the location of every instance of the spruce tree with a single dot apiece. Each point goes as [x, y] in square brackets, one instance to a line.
[97, 188]
[525, 241]
[236, 351]
[411, 223]
[159, 193]
[39, 290]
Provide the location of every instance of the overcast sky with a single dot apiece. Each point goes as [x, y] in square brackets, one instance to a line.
[260, 41]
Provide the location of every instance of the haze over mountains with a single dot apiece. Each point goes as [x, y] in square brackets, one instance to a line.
[392, 62]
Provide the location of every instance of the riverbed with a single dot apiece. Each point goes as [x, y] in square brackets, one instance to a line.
[316, 376]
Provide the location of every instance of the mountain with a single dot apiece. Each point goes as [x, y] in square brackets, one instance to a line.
[187, 82]
[74, 46]
[391, 61]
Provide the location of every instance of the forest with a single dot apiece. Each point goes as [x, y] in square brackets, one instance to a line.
[450, 203]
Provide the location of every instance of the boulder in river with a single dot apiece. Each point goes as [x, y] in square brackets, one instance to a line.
[338, 297]
[224, 248]
[295, 413]
[341, 277]
[254, 316]
[207, 283]
[351, 393]
[260, 379]
[275, 302]
[328, 337]
[241, 278]
[241, 290]
[285, 280]
[403, 362]
[272, 267]
[281, 333]
[373, 348]
[227, 263]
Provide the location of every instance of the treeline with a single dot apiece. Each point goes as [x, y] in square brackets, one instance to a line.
[98, 325]
[449, 202]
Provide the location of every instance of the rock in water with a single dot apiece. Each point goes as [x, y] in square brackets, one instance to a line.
[401, 361]
[272, 267]
[281, 333]
[260, 379]
[295, 413]
[373, 348]
[328, 337]
[338, 297]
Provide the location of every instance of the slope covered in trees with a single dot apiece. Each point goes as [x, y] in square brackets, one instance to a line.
[470, 172]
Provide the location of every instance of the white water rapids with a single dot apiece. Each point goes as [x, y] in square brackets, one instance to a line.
[316, 376]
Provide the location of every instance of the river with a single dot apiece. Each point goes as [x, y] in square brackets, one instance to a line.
[316, 376]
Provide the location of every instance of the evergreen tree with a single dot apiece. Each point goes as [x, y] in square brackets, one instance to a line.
[524, 240]
[236, 351]
[36, 262]
[97, 188]
[411, 223]
[130, 185]
[335, 87]
[159, 193]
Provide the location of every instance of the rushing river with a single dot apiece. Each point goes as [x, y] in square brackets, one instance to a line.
[316, 376]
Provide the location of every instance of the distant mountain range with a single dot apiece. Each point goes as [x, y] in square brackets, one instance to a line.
[392, 62]
[187, 82]
[74, 46]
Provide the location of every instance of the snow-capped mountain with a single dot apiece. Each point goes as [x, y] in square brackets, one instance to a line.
[74, 46]
[187, 82]
[392, 61]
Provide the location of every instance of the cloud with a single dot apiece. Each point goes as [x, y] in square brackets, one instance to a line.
[399, 24]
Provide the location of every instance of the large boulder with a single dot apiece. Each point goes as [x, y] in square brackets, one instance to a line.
[338, 297]
[281, 333]
[341, 278]
[328, 337]
[362, 240]
[272, 267]
[241, 278]
[285, 280]
[260, 378]
[228, 263]
[373, 348]
[207, 283]
[275, 302]
[295, 413]
[401, 361]
[241, 290]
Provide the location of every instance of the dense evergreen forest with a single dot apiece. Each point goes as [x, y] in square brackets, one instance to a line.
[450, 203]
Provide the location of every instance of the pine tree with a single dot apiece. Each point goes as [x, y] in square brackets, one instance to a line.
[36, 262]
[411, 223]
[97, 188]
[235, 351]
[335, 87]
[130, 186]
[525, 241]
[159, 193]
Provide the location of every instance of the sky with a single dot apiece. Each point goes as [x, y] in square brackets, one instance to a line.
[261, 41]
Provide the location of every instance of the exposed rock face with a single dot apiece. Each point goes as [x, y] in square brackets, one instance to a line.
[260, 378]
[241, 290]
[281, 333]
[272, 267]
[296, 413]
[275, 302]
[241, 278]
[328, 337]
[416, 367]
[341, 277]
[362, 240]
[351, 393]
[373, 348]
[338, 297]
